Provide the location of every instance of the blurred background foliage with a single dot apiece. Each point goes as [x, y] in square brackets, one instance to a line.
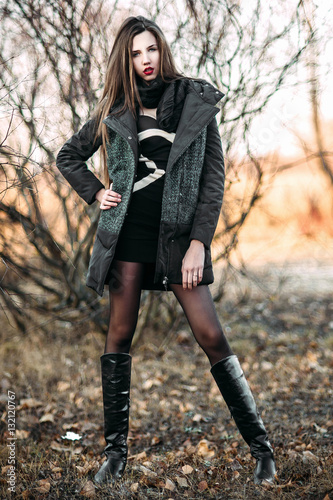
[53, 60]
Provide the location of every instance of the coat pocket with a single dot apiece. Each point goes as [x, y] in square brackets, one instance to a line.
[101, 257]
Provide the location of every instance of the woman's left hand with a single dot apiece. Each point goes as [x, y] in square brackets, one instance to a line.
[193, 264]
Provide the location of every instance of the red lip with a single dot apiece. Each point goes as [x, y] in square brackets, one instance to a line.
[148, 71]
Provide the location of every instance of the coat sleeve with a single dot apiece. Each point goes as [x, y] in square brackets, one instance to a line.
[211, 189]
[71, 162]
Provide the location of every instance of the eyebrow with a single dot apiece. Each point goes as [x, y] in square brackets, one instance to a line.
[149, 47]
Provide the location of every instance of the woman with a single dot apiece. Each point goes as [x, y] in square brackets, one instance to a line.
[163, 156]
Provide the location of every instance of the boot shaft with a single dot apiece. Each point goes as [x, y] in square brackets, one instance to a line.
[236, 392]
[116, 381]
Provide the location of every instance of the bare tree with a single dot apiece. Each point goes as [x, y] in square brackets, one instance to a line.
[53, 55]
[318, 41]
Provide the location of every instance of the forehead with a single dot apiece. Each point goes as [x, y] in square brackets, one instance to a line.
[143, 40]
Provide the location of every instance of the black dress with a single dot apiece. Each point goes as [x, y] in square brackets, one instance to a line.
[138, 237]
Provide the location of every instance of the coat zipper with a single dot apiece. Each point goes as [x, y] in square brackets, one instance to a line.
[165, 283]
[166, 279]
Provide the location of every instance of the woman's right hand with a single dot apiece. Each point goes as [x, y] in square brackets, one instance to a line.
[107, 198]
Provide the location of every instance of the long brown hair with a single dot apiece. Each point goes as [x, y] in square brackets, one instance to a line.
[120, 81]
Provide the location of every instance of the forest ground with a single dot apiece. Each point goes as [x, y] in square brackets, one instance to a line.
[182, 441]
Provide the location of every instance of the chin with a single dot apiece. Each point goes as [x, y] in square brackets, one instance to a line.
[149, 78]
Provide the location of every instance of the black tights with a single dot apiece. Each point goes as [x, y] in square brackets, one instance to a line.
[197, 304]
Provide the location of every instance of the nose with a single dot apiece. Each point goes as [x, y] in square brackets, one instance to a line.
[145, 58]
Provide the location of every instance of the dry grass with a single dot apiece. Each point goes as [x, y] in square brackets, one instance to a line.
[178, 418]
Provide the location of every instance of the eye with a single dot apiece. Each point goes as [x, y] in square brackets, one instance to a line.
[135, 54]
[152, 49]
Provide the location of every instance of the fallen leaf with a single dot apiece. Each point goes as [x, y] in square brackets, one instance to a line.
[63, 386]
[82, 471]
[176, 393]
[28, 494]
[266, 366]
[147, 472]
[190, 388]
[309, 457]
[203, 449]
[151, 481]
[58, 447]
[29, 403]
[235, 465]
[134, 487]
[183, 337]
[169, 485]
[203, 485]
[148, 384]
[49, 407]
[44, 486]
[21, 434]
[190, 450]
[47, 417]
[79, 402]
[155, 440]
[197, 418]
[187, 469]
[182, 482]
[312, 357]
[56, 469]
[72, 425]
[138, 456]
[88, 490]
[321, 430]
[5, 468]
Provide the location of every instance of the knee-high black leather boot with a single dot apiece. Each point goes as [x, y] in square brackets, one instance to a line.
[236, 392]
[116, 379]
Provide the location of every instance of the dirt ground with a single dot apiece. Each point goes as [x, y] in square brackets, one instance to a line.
[182, 441]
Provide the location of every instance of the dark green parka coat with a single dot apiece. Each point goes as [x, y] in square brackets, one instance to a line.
[192, 194]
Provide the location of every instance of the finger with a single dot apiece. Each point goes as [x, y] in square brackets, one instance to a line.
[189, 280]
[195, 279]
[105, 205]
[184, 280]
[113, 193]
[109, 195]
[110, 201]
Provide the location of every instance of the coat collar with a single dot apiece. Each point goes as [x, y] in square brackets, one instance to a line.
[125, 126]
[200, 107]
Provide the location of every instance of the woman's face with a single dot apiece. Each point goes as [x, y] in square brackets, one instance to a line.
[146, 56]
